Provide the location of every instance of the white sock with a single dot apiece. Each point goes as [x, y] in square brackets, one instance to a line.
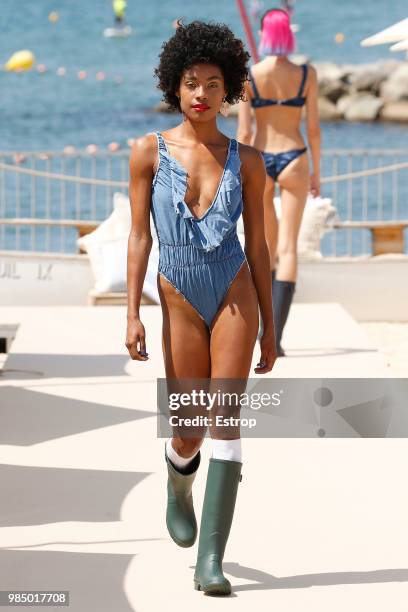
[175, 458]
[229, 450]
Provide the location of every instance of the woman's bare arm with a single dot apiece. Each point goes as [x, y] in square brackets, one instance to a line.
[244, 129]
[256, 249]
[140, 240]
[313, 129]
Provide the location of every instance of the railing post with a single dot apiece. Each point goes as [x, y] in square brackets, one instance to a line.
[2, 207]
[365, 201]
[349, 202]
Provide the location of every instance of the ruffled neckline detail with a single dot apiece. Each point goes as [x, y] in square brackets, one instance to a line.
[208, 231]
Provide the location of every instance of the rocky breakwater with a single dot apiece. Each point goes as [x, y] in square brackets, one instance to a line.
[363, 92]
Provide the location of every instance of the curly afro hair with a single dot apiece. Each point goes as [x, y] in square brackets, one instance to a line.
[199, 42]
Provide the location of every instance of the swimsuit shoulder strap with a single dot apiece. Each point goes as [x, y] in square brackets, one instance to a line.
[303, 81]
[252, 80]
[160, 141]
[234, 145]
[234, 161]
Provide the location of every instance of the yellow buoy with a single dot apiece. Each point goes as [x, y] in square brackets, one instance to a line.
[53, 16]
[21, 60]
[119, 8]
[339, 38]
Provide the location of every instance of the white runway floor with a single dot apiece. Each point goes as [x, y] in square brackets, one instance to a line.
[320, 524]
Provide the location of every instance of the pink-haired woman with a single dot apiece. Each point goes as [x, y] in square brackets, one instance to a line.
[277, 91]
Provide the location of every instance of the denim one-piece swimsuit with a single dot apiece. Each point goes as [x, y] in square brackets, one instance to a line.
[199, 256]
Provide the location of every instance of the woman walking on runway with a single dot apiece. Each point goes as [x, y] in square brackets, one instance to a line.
[277, 90]
[197, 182]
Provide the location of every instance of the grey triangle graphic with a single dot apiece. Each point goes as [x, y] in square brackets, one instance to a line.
[369, 419]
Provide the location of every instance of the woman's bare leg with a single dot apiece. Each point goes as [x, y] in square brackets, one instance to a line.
[233, 337]
[270, 221]
[186, 350]
[294, 184]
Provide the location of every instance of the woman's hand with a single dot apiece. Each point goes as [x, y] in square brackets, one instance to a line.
[268, 353]
[136, 340]
[314, 185]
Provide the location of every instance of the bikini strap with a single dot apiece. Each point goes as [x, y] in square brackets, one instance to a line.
[252, 80]
[304, 77]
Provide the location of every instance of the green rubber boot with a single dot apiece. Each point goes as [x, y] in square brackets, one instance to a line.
[180, 517]
[218, 509]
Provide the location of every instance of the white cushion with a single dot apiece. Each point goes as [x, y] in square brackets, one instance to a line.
[111, 258]
[121, 207]
[117, 224]
[317, 215]
[107, 250]
[150, 283]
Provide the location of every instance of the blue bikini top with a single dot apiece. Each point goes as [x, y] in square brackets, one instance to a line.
[298, 101]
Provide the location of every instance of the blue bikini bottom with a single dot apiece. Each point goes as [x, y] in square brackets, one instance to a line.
[276, 162]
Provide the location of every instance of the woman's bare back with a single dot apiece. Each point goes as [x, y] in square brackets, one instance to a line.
[278, 126]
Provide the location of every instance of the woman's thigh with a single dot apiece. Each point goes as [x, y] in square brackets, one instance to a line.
[186, 353]
[185, 337]
[270, 220]
[235, 329]
[294, 186]
[233, 339]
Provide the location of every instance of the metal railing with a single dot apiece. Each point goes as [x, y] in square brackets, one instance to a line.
[59, 192]
[365, 186]
[54, 186]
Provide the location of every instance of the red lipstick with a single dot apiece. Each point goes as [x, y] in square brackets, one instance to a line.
[201, 107]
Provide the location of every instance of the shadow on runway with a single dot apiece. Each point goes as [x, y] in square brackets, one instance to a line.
[265, 581]
[43, 495]
[94, 580]
[30, 417]
[79, 543]
[297, 353]
[22, 366]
